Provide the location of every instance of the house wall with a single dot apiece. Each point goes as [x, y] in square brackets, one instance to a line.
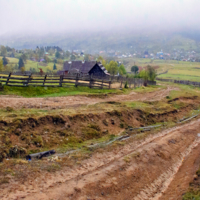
[97, 71]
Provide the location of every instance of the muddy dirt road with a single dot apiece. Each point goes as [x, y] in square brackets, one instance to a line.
[157, 167]
[63, 102]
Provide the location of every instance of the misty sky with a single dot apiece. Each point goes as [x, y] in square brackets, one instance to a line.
[56, 16]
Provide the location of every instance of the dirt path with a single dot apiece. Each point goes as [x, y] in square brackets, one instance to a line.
[140, 170]
[185, 175]
[63, 102]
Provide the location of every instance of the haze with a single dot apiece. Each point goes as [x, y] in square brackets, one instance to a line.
[59, 16]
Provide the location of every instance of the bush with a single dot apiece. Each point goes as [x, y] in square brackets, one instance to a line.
[151, 73]
[126, 85]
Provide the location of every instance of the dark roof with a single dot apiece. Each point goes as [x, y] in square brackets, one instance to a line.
[82, 66]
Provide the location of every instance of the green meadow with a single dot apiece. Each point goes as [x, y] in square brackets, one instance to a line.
[178, 70]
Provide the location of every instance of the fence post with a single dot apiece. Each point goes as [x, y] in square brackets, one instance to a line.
[109, 84]
[29, 78]
[130, 83]
[134, 82]
[121, 82]
[76, 84]
[8, 78]
[61, 79]
[44, 79]
[90, 84]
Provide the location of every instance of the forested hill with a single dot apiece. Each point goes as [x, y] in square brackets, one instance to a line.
[117, 41]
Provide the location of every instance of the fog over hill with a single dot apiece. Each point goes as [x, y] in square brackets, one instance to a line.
[100, 24]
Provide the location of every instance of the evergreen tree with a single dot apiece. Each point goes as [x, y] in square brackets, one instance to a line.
[54, 67]
[57, 54]
[5, 61]
[24, 57]
[21, 63]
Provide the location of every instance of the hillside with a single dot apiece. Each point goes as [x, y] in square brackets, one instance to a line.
[118, 41]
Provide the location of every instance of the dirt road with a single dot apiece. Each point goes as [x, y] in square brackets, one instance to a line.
[63, 102]
[151, 168]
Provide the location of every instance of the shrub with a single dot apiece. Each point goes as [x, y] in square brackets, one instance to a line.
[151, 72]
[126, 85]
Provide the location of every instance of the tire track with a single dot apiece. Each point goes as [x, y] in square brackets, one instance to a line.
[160, 185]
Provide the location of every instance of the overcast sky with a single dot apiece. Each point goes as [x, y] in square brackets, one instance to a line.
[49, 16]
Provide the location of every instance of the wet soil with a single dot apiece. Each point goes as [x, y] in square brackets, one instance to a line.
[145, 169]
[70, 101]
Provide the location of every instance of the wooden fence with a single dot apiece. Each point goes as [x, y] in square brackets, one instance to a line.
[68, 80]
[184, 82]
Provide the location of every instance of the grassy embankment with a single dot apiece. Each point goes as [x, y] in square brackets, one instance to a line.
[56, 92]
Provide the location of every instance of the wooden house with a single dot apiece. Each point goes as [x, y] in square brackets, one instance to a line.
[85, 68]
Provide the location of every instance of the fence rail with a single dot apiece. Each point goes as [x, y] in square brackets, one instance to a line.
[184, 82]
[69, 80]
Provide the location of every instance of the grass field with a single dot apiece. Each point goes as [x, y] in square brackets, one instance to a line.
[179, 70]
[56, 92]
[31, 64]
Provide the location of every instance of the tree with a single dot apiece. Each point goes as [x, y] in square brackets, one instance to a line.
[12, 55]
[122, 70]
[41, 52]
[103, 62]
[5, 61]
[47, 59]
[48, 69]
[51, 52]
[3, 51]
[87, 57]
[100, 59]
[24, 57]
[67, 54]
[21, 63]
[57, 54]
[73, 57]
[143, 74]
[135, 69]
[112, 67]
[54, 67]
[151, 73]
[22, 69]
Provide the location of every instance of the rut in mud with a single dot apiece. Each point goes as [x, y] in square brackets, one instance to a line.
[70, 101]
[138, 170]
